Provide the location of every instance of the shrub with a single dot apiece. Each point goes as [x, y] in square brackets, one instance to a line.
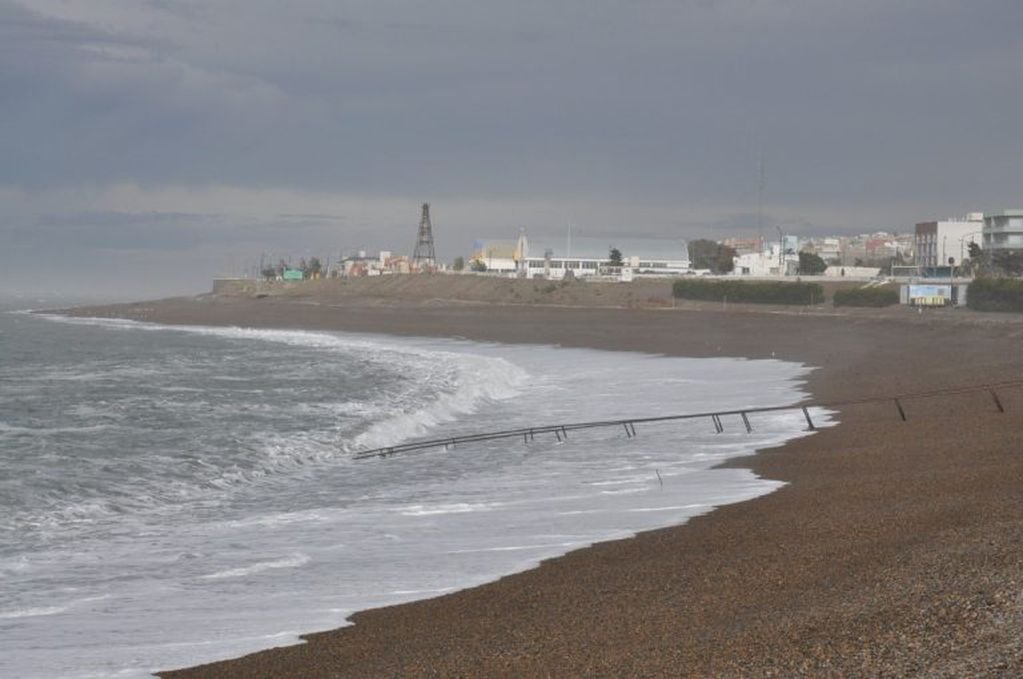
[995, 294]
[706, 254]
[811, 264]
[755, 292]
[875, 297]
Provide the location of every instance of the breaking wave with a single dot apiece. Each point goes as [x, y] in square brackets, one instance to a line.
[261, 422]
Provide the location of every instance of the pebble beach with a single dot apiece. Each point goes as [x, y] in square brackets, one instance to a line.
[893, 549]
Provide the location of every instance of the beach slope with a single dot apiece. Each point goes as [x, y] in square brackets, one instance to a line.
[893, 550]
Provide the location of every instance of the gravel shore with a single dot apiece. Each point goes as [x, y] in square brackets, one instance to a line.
[894, 549]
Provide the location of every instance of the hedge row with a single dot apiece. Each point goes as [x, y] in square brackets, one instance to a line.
[875, 297]
[995, 294]
[754, 292]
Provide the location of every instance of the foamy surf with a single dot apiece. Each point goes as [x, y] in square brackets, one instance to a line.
[42, 611]
[458, 508]
[293, 561]
[221, 478]
[32, 612]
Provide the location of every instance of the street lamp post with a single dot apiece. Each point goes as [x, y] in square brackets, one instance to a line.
[781, 252]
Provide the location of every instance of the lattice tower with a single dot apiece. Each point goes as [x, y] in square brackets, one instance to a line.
[423, 255]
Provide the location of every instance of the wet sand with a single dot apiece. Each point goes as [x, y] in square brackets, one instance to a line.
[895, 549]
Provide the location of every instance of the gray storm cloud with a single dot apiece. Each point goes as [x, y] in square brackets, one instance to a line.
[647, 117]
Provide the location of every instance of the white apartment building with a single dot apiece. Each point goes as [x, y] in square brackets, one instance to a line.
[1003, 230]
[935, 242]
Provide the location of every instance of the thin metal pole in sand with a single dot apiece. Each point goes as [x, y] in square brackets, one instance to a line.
[902, 413]
[997, 401]
[809, 422]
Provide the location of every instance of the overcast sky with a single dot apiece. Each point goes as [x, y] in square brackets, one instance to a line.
[147, 145]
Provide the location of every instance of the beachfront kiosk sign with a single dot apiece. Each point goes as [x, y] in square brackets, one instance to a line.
[930, 295]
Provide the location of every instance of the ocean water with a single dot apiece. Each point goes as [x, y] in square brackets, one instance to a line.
[171, 496]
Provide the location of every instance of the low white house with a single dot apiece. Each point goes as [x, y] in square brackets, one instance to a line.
[362, 264]
[771, 262]
[582, 257]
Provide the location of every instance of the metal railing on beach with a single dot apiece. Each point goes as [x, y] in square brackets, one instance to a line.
[561, 431]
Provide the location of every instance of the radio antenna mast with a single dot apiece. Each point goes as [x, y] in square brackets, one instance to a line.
[423, 257]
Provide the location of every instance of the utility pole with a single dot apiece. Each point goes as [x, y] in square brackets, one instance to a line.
[761, 186]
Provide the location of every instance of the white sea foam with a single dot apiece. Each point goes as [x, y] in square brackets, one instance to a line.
[43, 611]
[620, 481]
[471, 380]
[293, 561]
[457, 508]
[32, 612]
[667, 508]
[282, 519]
[200, 543]
[4, 427]
[624, 491]
[545, 546]
[480, 379]
[420, 592]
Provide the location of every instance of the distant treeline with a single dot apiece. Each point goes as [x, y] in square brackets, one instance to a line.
[756, 292]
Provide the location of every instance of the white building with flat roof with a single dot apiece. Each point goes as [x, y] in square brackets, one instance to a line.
[767, 263]
[582, 257]
[935, 242]
[1003, 230]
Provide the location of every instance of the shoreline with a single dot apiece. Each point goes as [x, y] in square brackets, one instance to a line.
[825, 607]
